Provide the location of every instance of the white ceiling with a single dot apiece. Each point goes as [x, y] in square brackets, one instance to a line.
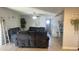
[51, 9]
[30, 11]
[38, 10]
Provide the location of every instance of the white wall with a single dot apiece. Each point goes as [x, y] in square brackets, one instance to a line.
[39, 22]
[11, 17]
[0, 34]
[55, 25]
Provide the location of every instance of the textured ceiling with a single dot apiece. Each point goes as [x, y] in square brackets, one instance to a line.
[38, 10]
[30, 10]
[51, 9]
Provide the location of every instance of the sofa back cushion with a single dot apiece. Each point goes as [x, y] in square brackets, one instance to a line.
[38, 29]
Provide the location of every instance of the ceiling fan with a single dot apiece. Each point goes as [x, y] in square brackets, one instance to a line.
[35, 15]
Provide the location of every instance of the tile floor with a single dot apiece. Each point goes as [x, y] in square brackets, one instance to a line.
[55, 45]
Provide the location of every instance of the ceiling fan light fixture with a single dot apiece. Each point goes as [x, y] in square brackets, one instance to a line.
[34, 17]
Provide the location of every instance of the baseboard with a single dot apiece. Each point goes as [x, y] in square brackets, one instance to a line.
[70, 48]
